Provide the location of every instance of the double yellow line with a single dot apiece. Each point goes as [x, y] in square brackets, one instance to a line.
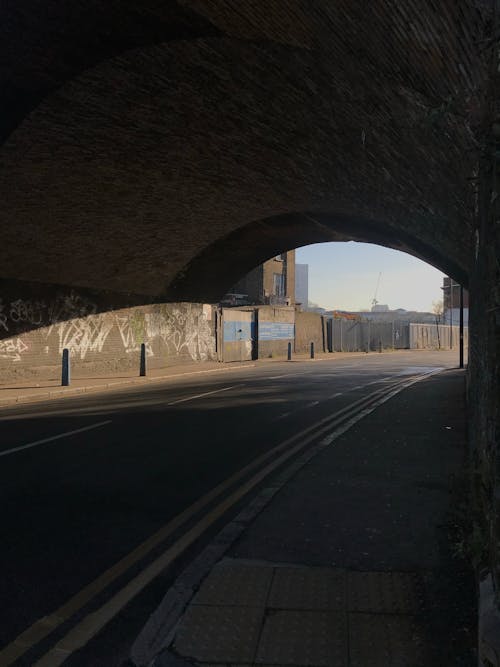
[81, 633]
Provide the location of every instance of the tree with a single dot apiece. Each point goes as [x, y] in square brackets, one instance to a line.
[438, 310]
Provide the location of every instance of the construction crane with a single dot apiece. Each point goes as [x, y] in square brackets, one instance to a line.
[374, 300]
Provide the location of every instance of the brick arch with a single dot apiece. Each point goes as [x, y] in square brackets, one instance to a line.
[45, 45]
[130, 172]
[209, 275]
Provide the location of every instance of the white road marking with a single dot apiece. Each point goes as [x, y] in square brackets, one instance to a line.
[53, 437]
[412, 370]
[92, 623]
[312, 404]
[88, 627]
[285, 414]
[339, 393]
[206, 393]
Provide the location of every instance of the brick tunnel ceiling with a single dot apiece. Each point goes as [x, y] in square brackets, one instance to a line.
[164, 148]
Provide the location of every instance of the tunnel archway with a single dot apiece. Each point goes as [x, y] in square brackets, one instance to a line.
[155, 151]
[209, 275]
[145, 164]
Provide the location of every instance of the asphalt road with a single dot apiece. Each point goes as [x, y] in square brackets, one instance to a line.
[85, 480]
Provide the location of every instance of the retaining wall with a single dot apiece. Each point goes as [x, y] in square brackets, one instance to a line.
[105, 342]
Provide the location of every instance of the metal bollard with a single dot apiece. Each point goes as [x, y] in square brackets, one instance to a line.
[289, 354]
[142, 369]
[66, 373]
[312, 350]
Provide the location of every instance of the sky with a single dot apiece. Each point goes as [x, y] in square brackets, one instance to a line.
[344, 276]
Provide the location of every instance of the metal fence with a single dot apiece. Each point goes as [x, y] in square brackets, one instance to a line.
[434, 336]
[354, 335]
[368, 336]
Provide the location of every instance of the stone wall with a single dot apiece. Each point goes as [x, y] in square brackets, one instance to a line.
[101, 342]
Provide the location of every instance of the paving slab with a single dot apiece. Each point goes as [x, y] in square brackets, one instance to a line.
[235, 585]
[308, 588]
[395, 592]
[350, 565]
[219, 634]
[315, 638]
[384, 640]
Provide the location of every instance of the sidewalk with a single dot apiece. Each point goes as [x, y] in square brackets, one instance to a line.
[28, 391]
[349, 563]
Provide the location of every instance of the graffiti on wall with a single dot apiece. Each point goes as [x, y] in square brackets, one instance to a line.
[70, 306]
[3, 317]
[31, 312]
[183, 331]
[84, 335]
[12, 349]
[79, 336]
[132, 335]
[173, 330]
[40, 313]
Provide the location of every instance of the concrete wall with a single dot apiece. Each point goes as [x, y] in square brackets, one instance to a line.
[238, 334]
[309, 328]
[276, 328]
[103, 342]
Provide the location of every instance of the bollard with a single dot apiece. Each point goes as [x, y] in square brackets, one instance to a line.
[66, 376]
[312, 350]
[289, 354]
[380, 345]
[142, 369]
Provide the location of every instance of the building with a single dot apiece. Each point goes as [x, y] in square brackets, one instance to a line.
[451, 302]
[272, 283]
[302, 285]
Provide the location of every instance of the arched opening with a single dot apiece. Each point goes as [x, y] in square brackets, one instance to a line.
[211, 273]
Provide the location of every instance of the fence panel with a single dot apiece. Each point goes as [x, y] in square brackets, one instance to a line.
[436, 336]
[238, 330]
[357, 336]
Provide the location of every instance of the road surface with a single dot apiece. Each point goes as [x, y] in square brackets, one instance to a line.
[86, 480]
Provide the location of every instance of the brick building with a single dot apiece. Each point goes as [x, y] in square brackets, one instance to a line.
[272, 282]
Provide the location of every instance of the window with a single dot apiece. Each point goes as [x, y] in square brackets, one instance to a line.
[278, 284]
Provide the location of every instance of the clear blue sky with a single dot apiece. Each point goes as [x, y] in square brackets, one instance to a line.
[344, 276]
